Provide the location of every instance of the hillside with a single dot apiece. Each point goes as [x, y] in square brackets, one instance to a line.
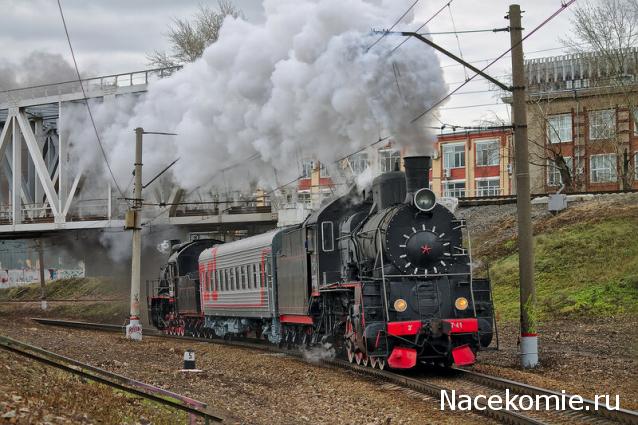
[586, 259]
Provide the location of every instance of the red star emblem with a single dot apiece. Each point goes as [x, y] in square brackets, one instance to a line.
[425, 249]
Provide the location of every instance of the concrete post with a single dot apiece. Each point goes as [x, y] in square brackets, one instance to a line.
[134, 328]
[529, 337]
[43, 294]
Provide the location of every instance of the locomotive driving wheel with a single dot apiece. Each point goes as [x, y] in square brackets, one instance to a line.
[350, 347]
[373, 362]
[381, 363]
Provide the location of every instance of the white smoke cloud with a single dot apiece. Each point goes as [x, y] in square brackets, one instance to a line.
[33, 69]
[302, 83]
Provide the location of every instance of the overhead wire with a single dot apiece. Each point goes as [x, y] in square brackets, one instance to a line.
[458, 42]
[86, 101]
[421, 27]
[393, 25]
[533, 31]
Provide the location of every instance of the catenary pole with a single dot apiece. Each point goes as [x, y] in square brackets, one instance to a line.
[529, 336]
[134, 328]
[43, 295]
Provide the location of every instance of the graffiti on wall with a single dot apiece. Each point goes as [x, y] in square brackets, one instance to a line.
[19, 277]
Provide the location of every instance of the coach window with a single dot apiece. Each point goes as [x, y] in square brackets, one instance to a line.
[262, 276]
[244, 278]
[225, 276]
[327, 236]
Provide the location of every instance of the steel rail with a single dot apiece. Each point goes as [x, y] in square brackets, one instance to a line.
[590, 407]
[159, 395]
[504, 416]
[623, 416]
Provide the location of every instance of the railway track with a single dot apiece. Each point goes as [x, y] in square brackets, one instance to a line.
[460, 380]
[191, 406]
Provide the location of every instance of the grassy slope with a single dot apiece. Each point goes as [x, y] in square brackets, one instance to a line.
[114, 308]
[74, 288]
[586, 265]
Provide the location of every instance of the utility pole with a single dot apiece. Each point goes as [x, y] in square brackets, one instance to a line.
[529, 336]
[43, 294]
[134, 222]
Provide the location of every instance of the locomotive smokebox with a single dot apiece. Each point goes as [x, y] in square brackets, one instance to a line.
[417, 174]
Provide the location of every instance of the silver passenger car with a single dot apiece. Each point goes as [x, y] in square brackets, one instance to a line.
[238, 279]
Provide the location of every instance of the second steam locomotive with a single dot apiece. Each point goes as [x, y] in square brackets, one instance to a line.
[385, 277]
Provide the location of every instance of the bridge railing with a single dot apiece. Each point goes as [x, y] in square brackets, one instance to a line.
[103, 85]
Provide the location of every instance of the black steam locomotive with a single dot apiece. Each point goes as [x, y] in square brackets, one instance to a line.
[383, 277]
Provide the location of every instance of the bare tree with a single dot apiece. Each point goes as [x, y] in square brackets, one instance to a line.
[605, 34]
[190, 37]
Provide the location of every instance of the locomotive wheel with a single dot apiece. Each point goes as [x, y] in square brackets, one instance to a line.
[381, 364]
[349, 352]
[364, 361]
[358, 356]
[373, 362]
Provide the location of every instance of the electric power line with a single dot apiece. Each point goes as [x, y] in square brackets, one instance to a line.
[86, 101]
[542, 24]
[421, 27]
[393, 25]
[463, 32]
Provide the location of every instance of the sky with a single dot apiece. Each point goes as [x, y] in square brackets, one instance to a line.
[114, 36]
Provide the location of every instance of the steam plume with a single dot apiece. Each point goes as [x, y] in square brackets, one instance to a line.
[302, 83]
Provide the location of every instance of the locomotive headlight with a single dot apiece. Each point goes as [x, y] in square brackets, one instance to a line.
[424, 199]
[461, 303]
[400, 305]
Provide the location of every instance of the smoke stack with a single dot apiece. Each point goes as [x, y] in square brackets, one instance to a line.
[417, 174]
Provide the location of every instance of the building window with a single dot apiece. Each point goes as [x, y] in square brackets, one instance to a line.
[602, 124]
[387, 159]
[488, 187]
[454, 155]
[602, 168]
[359, 163]
[636, 166]
[635, 114]
[323, 170]
[307, 166]
[559, 128]
[553, 173]
[487, 153]
[304, 198]
[455, 189]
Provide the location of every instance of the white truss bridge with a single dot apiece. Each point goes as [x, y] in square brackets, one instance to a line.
[40, 192]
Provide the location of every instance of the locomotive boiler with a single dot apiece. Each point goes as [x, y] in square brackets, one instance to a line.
[383, 276]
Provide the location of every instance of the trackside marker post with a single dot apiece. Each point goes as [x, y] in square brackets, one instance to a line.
[189, 362]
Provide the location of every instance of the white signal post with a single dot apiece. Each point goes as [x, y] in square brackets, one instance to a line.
[134, 221]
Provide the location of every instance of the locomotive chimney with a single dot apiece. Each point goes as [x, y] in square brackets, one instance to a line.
[417, 174]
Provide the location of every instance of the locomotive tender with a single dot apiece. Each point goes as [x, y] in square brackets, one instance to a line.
[385, 277]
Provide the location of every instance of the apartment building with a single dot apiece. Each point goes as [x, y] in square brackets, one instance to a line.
[474, 163]
[583, 123]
